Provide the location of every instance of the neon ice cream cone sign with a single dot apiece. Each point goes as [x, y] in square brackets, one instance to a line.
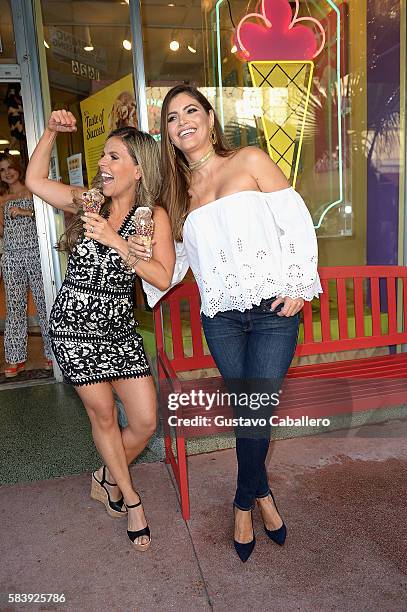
[278, 37]
[279, 50]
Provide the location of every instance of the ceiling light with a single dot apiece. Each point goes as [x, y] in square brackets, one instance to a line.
[46, 45]
[171, 4]
[348, 209]
[89, 44]
[3, 141]
[233, 49]
[126, 44]
[14, 152]
[174, 45]
[191, 49]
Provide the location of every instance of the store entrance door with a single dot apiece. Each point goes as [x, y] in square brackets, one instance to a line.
[25, 353]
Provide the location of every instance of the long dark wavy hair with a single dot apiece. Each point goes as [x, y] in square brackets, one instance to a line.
[176, 176]
[145, 152]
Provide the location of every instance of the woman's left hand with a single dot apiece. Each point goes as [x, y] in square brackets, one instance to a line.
[138, 249]
[99, 229]
[290, 308]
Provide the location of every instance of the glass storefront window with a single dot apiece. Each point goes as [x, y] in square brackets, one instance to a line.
[173, 43]
[88, 47]
[7, 43]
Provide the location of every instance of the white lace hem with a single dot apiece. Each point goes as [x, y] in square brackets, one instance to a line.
[245, 302]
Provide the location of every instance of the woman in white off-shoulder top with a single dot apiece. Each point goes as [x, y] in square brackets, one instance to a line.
[250, 242]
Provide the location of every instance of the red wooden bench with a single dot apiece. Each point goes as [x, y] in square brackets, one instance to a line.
[354, 299]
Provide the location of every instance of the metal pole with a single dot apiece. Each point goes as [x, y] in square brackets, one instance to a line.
[138, 64]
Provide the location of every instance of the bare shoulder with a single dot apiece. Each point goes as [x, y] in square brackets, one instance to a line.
[252, 155]
[160, 214]
[263, 169]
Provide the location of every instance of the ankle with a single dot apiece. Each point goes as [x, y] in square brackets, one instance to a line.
[109, 478]
[132, 499]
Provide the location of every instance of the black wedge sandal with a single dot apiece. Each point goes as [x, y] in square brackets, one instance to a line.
[99, 492]
[133, 535]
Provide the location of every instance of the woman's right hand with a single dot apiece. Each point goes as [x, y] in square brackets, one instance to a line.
[62, 121]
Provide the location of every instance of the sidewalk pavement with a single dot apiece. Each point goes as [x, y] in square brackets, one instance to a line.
[342, 495]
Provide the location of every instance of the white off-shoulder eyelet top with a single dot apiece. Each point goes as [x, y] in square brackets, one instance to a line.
[247, 246]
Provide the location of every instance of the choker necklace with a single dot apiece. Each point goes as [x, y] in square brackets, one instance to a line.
[201, 162]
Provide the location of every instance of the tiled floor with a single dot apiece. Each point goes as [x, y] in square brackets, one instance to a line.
[45, 433]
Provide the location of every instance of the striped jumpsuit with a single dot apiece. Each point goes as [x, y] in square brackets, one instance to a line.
[21, 270]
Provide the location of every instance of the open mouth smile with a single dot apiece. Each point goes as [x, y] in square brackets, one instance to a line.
[106, 178]
[186, 132]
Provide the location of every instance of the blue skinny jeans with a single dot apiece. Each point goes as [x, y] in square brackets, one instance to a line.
[253, 351]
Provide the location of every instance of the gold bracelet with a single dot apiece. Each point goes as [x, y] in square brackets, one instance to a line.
[132, 267]
[126, 261]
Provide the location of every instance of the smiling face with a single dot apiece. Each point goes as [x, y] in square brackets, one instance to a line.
[189, 124]
[8, 174]
[119, 171]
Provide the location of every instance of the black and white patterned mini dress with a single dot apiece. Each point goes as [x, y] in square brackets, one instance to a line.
[92, 325]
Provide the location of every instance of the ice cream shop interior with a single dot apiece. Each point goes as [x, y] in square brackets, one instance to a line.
[320, 85]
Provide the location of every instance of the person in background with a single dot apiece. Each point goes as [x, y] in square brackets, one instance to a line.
[21, 266]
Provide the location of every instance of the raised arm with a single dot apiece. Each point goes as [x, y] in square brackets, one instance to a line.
[55, 193]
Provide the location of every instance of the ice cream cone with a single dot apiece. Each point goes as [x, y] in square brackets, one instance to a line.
[92, 200]
[287, 86]
[143, 225]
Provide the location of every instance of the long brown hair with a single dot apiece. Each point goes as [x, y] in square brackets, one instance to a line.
[144, 152]
[14, 162]
[176, 176]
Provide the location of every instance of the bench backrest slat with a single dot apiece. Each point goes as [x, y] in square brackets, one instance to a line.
[176, 327]
[336, 330]
[405, 302]
[358, 306]
[342, 308]
[307, 322]
[375, 297]
[196, 330]
[324, 309]
[392, 305]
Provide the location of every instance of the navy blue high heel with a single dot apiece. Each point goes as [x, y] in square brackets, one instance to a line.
[277, 535]
[245, 550]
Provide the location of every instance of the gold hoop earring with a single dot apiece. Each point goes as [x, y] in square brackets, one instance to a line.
[214, 138]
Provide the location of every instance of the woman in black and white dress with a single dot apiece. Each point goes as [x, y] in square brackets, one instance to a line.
[92, 325]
